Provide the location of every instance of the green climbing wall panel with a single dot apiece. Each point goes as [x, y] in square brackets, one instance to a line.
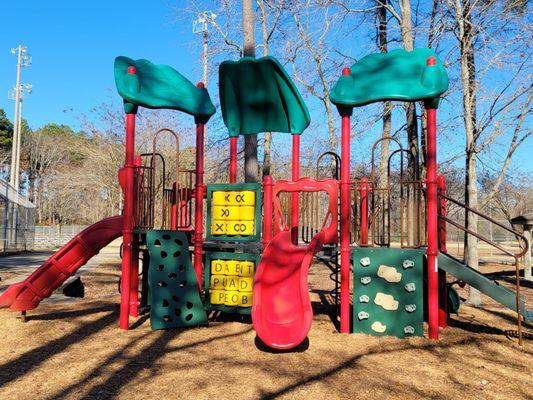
[388, 292]
[175, 301]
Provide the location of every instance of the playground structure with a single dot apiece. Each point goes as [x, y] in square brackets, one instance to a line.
[259, 240]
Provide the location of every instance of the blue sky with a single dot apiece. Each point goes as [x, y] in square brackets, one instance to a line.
[74, 43]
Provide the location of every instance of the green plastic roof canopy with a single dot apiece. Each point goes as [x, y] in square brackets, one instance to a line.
[159, 86]
[397, 75]
[257, 95]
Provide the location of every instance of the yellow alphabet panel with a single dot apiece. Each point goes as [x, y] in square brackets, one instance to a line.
[231, 282]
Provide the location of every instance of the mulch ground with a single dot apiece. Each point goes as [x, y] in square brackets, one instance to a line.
[74, 350]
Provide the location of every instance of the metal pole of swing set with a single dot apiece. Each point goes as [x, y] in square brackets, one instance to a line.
[199, 198]
[432, 217]
[346, 113]
[127, 231]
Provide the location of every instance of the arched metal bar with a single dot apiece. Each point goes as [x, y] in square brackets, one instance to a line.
[177, 188]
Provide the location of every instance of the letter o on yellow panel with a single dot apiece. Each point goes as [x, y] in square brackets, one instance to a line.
[232, 298]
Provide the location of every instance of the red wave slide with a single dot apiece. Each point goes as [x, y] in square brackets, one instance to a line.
[282, 313]
[27, 295]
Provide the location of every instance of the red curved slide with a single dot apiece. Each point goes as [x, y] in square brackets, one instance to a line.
[281, 312]
[27, 295]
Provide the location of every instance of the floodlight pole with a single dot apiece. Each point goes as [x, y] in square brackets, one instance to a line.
[204, 57]
[15, 145]
[19, 142]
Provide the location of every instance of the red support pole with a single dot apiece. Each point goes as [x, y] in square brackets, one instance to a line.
[345, 219]
[432, 219]
[127, 231]
[233, 159]
[364, 212]
[199, 201]
[134, 285]
[173, 209]
[294, 196]
[443, 295]
[267, 211]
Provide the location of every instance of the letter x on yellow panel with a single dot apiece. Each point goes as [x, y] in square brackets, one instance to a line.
[234, 212]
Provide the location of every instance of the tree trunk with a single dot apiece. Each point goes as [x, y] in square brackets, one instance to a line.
[385, 144]
[268, 135]
[411, 127]
[251, 168]
[468, 83]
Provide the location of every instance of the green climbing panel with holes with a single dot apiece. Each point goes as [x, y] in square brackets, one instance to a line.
[388, 291]
[174, 297]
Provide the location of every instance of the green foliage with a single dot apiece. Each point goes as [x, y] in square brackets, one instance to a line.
[6, 130]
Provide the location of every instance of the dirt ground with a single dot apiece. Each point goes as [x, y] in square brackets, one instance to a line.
[74, 350]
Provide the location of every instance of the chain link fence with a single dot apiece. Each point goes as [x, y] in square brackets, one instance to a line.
[17, 216]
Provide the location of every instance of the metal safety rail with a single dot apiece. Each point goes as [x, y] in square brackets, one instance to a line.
[389, 207]
[522, 243]
[154, 192]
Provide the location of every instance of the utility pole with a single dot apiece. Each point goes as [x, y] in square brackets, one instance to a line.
[23, 60]
[251, 168]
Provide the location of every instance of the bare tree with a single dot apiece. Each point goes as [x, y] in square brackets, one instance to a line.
[485, 28]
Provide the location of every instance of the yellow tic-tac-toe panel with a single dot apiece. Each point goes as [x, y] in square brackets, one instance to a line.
[233, 213]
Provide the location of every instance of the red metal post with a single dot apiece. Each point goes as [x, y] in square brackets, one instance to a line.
[294, 196]
[364, 212]
[233, 159]
[443, 295]
[267, 211]
[432, 219]
[134, 285]
[345, 219]
[199, 201]
[127, 231]
[173, 209]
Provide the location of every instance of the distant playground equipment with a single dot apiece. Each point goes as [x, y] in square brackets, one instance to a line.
[254, 254]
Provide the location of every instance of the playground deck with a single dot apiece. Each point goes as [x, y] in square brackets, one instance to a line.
[71, 350]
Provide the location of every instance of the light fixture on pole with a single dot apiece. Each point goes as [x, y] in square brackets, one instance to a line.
[201, 26]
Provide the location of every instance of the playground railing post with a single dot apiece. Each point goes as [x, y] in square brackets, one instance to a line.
[199, 199]
[432, 217]
[443, 298]
[267, 211]
[364, 212]
[294, 196]
[346, 113]
[233, 159]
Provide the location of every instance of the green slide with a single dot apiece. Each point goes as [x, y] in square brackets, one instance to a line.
[485, 285]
